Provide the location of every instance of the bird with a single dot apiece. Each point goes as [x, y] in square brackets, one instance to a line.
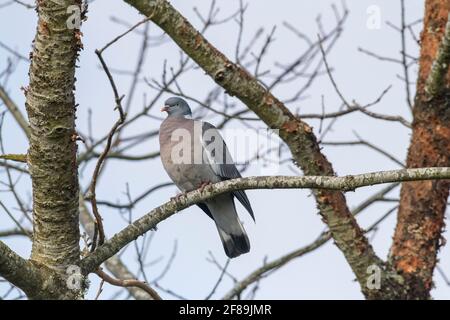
[194, 155]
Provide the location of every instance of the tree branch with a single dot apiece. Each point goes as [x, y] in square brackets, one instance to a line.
[36, 281]
[346, 183]
[92, 188]
[274, 265]
[128, 283]
[16, 232]
[14, 109]
[14, 157]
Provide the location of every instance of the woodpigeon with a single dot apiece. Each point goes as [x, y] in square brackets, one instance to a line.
[194, 154]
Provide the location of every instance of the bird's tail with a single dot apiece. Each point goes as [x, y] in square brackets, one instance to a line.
[234, 244]
[232, 233]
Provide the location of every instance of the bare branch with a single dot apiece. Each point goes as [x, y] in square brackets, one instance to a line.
[14, 157]
[128, 283]
[276, 264]
[404, 55]
[15, 232]
[355, 105]
[366, 143]
[273, 265]
[219, 280]
[110, 43]
[101, 159]
[15, 111]
[345, 183]
[34, 281]
[14, 52]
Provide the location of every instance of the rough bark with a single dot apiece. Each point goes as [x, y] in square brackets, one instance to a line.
[421, 213]
[50, 106]
[297, 134]
[37, 281]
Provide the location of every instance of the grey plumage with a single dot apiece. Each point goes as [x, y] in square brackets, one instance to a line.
[193, 153]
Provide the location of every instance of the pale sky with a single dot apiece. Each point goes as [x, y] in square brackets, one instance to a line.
[285, 219]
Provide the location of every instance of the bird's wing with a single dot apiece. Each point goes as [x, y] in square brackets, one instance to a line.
[221, 162]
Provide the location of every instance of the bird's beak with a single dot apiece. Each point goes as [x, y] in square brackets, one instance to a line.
[165, 108]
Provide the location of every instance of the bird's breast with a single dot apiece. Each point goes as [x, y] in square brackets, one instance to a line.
[182, 155]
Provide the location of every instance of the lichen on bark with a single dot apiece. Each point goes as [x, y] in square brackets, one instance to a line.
[50, 106]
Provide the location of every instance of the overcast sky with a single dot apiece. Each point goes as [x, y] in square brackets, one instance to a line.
[286, 219]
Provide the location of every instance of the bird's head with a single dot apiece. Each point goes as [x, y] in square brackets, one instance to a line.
[176, 106]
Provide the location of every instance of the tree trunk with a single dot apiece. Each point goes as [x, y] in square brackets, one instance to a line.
[421, 213]
[50, 105]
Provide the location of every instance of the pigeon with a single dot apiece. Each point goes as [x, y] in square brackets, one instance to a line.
[194, 155]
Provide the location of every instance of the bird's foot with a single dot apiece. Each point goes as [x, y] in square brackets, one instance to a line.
[203, 185]
[178, 196]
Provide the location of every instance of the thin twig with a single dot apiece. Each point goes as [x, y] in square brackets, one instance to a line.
[128, 283]
[355, 105]
[101, 159]
[216, 285]
[404, 54]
